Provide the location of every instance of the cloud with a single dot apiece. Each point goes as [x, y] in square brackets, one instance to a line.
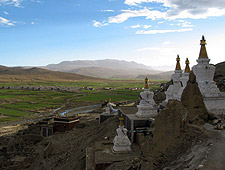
[126, 14]
[16, 3]
[167, 43]
[5, 22]
[147, 26]
[136, 2]
[143, 26]
[6, 13]
[173, 10]
[98, 24]
[186, 24]
[162, 31]
[136, 26]
[107, 10]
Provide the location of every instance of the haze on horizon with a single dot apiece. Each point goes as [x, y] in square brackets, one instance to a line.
[41, 32]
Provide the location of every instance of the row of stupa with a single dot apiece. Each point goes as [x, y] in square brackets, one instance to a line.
[213, 98]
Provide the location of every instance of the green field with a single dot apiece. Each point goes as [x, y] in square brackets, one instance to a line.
[17, 104]
[98, 84]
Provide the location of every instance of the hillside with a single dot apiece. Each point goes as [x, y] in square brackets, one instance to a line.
[220, 75]
[104, 72]
[109, 63]
[103, 68]
[159, 76]
[13, 74]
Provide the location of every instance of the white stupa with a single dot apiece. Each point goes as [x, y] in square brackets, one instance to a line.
[184, 78]
[146, 107]
[121, 141]
[173, 90]
[213, 98]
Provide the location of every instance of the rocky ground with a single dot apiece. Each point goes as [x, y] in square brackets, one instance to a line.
[60, 151]
[174, 145]
[184, 136]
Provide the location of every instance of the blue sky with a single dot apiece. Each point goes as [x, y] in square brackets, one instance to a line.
[152, 32]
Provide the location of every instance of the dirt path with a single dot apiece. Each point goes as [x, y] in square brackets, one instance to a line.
[216, 157]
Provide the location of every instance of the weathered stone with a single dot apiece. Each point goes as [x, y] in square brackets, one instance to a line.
[193, 101]
[170, 125]
[159, 97]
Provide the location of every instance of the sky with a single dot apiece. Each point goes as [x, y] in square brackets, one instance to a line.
[151, 32]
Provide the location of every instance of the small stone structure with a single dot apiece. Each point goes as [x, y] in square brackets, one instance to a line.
[121, 141]
[147, 106]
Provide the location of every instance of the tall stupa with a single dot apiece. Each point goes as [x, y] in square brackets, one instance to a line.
[184, 78]
[146, 107]
[213, 98]
[173, 90]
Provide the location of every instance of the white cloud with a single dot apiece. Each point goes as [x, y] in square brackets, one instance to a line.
[107, 10]
[126, 14]
[147, 26]
[5, 12]
[136, 2]
[136, 26]
[175, 9]
[98, 24]
[16, 3]
[167, 43]
[143, 26]
[162, 31]
[5, 22]
[160, 22]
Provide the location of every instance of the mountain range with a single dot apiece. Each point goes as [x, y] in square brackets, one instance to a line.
[15, 74]
[107, 69]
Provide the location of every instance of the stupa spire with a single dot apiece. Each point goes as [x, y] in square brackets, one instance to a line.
[203, 52]
[178, 67]
[121, 121]
[187, 68]
[146, 83]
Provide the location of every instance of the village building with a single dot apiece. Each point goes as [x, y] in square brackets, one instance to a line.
[62, 124]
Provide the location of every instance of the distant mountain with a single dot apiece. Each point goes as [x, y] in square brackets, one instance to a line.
[11, 74]
[103, 68]
[220, 75]
[164, 67]
[159, 76]
[220, 71]
[108, 63]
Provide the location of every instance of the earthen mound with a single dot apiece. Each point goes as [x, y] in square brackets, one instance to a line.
[193, 101]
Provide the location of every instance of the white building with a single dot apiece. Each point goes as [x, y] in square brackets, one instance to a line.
[147, 107]
[213, 98]
[174, 89]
